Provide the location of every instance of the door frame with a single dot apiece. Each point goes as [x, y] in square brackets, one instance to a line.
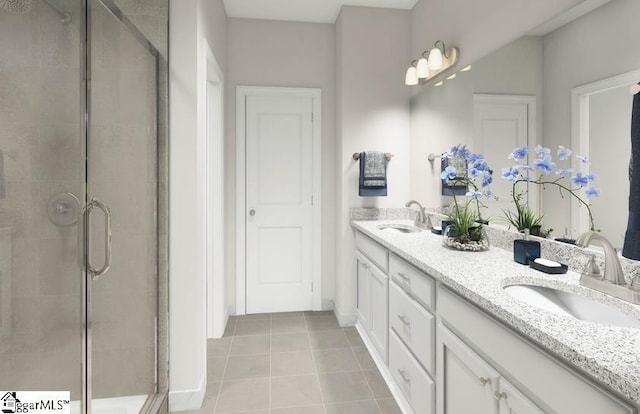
[242, 92]
[534, 201]
[580, 104]
[217, 310]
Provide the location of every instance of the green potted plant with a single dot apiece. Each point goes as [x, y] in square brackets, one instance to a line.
[525, 218]
[465, 230]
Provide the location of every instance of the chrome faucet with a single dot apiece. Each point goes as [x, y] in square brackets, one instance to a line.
[423, 220]
[613, 282]
[612, 267]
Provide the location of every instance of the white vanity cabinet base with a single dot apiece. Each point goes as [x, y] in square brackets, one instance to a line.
[556, 388]
[417, 387]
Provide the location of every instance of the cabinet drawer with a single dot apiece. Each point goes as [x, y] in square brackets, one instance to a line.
[374, 251]
[416, 385]
[413, 324]
[415, 282]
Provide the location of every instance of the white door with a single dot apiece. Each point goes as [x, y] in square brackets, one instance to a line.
[279, 215]
[502, 123]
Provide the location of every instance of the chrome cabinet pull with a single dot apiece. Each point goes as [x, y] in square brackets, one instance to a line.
[404, 375]
[252, 212]
[484, 381]
[404, 320]
[96, 273]
[404, 277]
[500, 395]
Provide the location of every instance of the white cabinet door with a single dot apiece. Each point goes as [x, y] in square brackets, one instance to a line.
[513, 401]
[379, 305]
[466, 384]
[362, 274]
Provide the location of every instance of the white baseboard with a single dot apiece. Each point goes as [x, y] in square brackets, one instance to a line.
[345, 319]
[384, 371]
[186, 400]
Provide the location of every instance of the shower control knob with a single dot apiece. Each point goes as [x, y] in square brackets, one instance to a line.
[63, 209]
[252, 212]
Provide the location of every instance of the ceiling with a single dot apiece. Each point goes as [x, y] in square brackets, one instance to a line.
[316, 11]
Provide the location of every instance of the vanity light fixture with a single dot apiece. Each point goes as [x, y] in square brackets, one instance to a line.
[451, 77]
[466, 68]
[431, 63]
[411, 77]
[439, 83]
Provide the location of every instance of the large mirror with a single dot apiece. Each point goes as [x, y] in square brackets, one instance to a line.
[566, 83]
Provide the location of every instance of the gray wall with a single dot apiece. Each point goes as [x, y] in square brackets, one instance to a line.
[276, 53]
[373, 114]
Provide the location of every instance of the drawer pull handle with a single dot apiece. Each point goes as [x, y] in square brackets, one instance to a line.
[404, 277]
[484, 381]
[404, 375]
[499, 395]
[404, 320]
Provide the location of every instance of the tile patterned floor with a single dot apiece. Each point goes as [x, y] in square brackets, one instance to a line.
[293, 363]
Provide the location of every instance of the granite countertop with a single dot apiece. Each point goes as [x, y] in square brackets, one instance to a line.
[609, 354]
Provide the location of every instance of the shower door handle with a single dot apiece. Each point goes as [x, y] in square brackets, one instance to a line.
[96, 273]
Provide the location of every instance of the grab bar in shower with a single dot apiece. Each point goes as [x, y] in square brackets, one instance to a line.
[96, 273]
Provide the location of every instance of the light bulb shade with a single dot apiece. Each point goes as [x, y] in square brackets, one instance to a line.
[435, 59]
[423, 68]
[412, 76]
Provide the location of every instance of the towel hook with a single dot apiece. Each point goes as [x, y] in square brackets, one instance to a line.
[356, 156]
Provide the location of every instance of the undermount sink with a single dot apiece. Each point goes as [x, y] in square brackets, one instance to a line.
[572, 305]
[401, 228]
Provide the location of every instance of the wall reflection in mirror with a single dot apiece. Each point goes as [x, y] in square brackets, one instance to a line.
[566, 83]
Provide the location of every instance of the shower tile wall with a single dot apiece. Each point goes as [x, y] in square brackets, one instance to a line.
[40, 144]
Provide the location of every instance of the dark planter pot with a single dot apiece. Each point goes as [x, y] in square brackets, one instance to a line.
[475, 233]
[535, 230]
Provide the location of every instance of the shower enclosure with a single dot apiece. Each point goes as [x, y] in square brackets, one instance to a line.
[83, 202]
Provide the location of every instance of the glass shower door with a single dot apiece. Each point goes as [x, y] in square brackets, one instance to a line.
[41, 188]
[122, 291]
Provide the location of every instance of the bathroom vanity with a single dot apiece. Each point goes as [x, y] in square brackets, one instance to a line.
[450, 339]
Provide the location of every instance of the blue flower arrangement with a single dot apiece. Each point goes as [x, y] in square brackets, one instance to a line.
[466, 219]
[546, 172]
